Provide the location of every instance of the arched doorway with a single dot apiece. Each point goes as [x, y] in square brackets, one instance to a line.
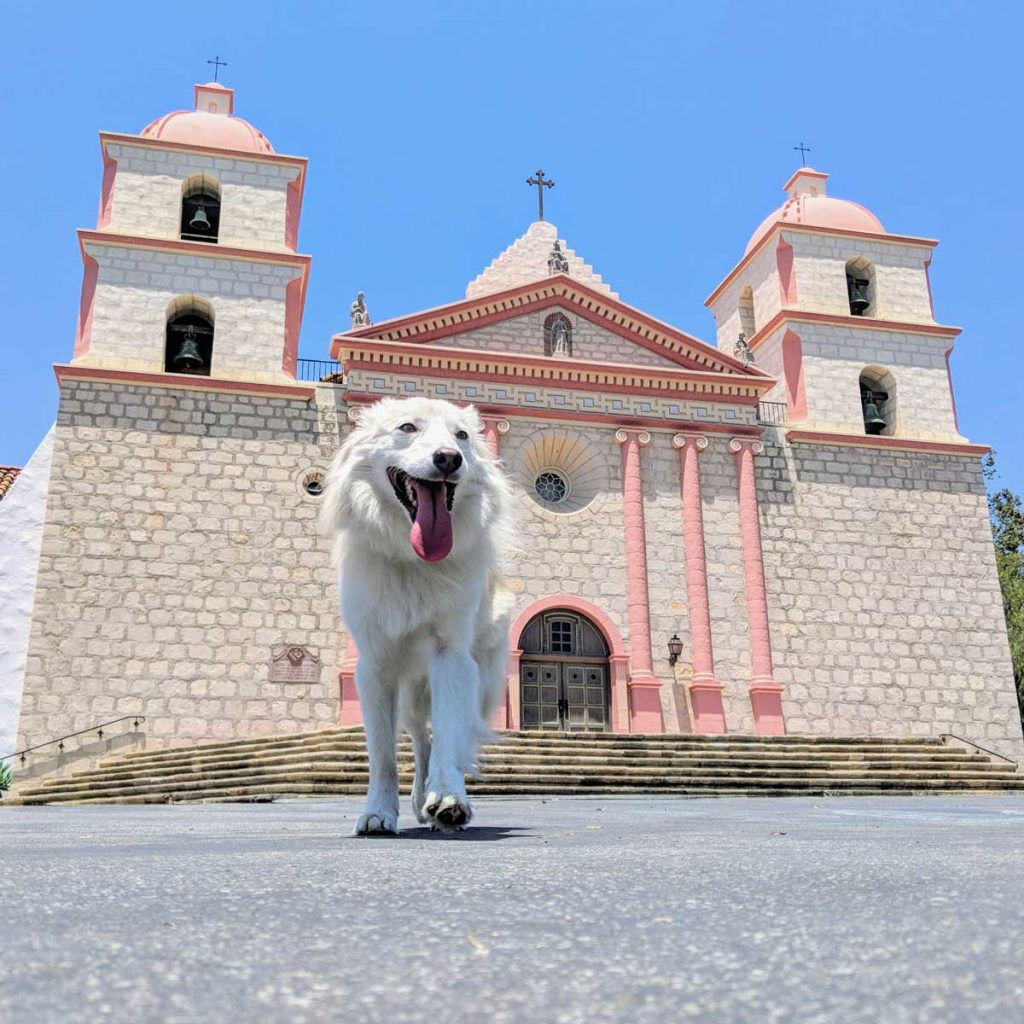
[564, 680]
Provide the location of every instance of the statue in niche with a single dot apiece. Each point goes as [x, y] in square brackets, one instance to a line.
[358, 311]
[741, 350]
[557, 263]
[560, 339]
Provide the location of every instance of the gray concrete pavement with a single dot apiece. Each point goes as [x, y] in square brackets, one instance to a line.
[564, 910]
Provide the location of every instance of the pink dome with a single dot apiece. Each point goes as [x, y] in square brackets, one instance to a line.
[817, 210]
[214, 127]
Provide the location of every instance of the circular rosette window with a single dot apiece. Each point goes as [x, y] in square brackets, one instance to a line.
[562, 472]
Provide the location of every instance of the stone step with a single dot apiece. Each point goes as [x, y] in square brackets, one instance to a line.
[543, 743]
[501, 759]
[554, 775]
[595, 786]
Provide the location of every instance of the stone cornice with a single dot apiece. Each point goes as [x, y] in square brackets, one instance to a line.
[187, 382]
[810, 229]
[282, 257]
[370, 354]
[557, 290]
[904, 444]
[140, 141]
[792, 316]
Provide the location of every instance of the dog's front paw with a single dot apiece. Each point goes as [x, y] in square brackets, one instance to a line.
[377, 823]
[447, 812]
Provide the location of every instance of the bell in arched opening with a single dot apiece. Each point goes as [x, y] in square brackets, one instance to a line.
[857, 290]
[871, 405]
[200, 209]
[189, 344]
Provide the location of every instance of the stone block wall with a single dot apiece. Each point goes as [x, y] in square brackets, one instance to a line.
[590, 343]
[886, 615]
[136, 287]
[178, 550]
[148, 193]
[762, 277]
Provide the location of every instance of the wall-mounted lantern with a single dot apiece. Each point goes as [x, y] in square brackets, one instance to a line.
[675, 648]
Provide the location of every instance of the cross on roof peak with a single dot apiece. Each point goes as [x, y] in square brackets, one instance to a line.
[217, 65]
[541, 185]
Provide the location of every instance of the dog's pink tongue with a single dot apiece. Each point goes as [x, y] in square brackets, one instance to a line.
[431, 533]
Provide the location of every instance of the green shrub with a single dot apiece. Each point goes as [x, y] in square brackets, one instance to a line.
[5, 776]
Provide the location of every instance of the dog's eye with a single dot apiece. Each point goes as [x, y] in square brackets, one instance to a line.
[408, 428]
[462, 435]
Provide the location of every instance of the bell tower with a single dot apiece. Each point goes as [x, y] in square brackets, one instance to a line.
[839, 310]
[192, 269]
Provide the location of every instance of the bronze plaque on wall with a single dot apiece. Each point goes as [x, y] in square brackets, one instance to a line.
[294, 665]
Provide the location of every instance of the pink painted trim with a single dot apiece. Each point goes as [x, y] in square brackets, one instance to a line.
[705, 689]
[182, 381]
[867, 322]
[290, 259]
[557, 290]
[766, 705]
[376, 355]
[618, 659]
[293, 211]
[952, 395]
[83, 332]
[106, 191]
[763, 674]
[787, 272]
[793, 375]
[294, 301]
[894, 443]
[142, 142]
[575, 416]
[811, 229]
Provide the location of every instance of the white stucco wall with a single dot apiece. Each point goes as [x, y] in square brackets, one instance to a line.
[21, 532]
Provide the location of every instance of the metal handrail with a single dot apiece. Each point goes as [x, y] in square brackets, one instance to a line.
[20, 754]
[977, 746]
[324, 371]
[772, 412]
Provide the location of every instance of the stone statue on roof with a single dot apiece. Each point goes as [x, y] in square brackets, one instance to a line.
[741, 350]
[359, 313]
[557, 263]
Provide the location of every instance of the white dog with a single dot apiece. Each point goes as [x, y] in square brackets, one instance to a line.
[420, 508]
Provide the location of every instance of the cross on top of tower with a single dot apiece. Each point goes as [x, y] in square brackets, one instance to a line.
[804, 150]
[541, 185]
[217, 65]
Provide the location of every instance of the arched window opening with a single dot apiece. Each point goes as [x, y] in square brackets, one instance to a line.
[745, 308]
[558, 336]
[860, 286]
[200, 209]
[878, 401]
[189, 342]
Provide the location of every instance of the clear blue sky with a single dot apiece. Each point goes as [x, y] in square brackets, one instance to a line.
[667, 126]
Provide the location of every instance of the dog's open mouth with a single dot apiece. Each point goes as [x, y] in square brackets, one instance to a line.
[429, 504]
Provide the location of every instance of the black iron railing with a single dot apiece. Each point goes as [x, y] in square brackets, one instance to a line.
[22, 755]
[772, 412]
[325, 370]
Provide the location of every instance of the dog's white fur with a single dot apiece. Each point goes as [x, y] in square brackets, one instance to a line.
[432, 636]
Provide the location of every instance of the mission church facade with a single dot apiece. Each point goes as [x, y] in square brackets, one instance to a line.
[783, 531]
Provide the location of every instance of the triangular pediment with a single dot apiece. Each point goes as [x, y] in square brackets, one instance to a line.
[510, 323]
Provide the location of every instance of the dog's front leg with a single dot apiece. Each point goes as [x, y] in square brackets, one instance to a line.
[378, 700]
[454, 697]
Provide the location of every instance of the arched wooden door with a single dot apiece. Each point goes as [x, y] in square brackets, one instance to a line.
[563, 674]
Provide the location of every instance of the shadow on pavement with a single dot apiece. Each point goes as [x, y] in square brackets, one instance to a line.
[472, 834]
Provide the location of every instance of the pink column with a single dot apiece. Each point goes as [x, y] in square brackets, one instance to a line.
[351, 713]
[765, 692]
[504, 717]
[494, 427]
[644, 686]
[705, 688]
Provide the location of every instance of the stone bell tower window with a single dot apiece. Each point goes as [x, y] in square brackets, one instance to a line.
[878, 401]
[200, 209]
[558, 336]
[745, 309]
[860, 286]
[189, 339]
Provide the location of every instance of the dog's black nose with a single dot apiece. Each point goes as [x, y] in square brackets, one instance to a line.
[447, 460]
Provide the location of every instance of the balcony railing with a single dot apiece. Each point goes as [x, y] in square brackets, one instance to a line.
[327, 371]
[772, 412]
